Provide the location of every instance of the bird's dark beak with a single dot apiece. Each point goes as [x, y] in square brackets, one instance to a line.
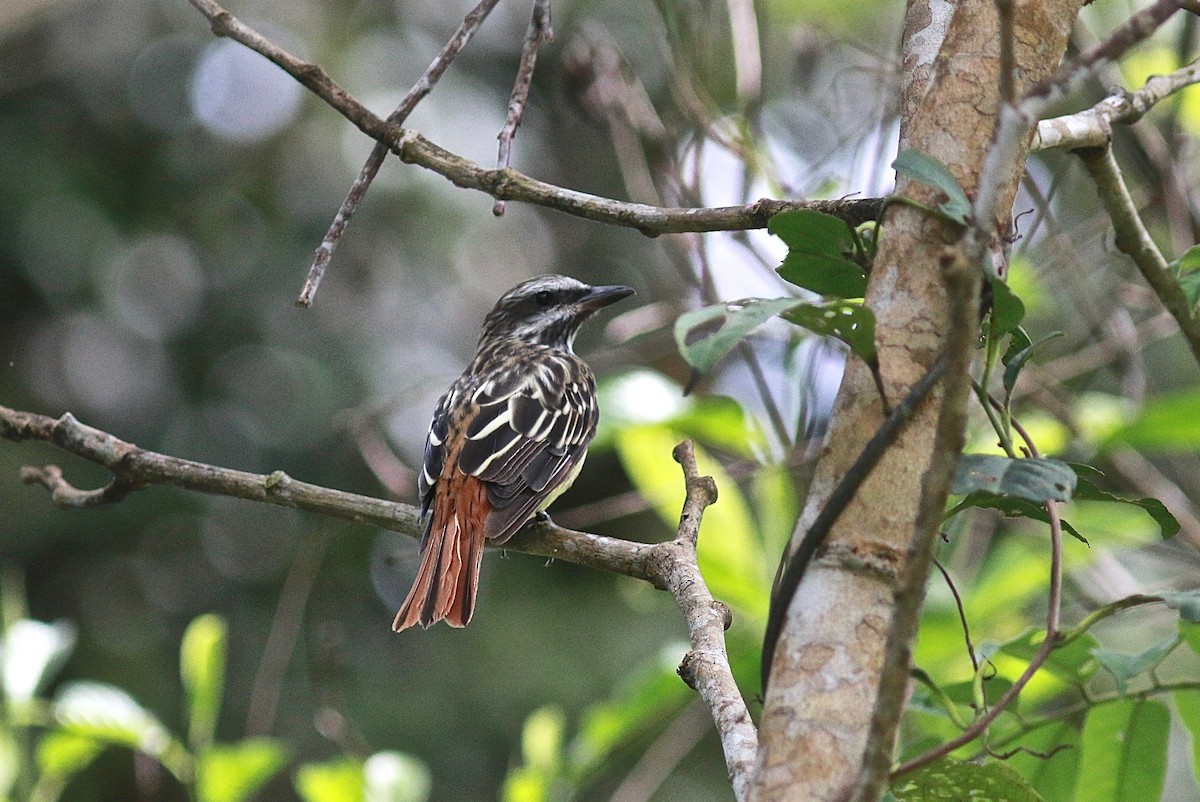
[598, 297]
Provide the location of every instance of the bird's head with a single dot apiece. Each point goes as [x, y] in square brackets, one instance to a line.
[547, 310]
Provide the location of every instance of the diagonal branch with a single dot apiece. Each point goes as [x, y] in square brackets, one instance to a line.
[539, 31]
[1134, 240]
[370, 169]
[508, 184]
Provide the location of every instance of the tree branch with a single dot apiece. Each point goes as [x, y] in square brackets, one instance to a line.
[706, 667]
[539, 31]
[508, 184]
[1134, 240]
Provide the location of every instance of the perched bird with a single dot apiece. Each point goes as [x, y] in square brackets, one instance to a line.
[507, 438]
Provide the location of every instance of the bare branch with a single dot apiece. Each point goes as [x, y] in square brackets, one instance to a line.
[539, 31]
[706, 667]
[1093, 127]
[1134, 240]
[366, 175]
[508, 184]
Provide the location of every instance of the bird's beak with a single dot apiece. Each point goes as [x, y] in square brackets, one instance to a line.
[598, 297]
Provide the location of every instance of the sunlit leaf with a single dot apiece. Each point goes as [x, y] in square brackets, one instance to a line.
[64, 753]
[1123, 752]
[1072, 663]
[730, 551]
[1187, 703]
[950, 779]
[396, 777]
[1124, 666]
[235, 772]
[818, 248]
[924, 168]
[339, 780]
[202, 670]
[1169, 423]
[32, 653]
[1033, 479]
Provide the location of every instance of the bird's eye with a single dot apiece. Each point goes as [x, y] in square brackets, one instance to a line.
[544, 298]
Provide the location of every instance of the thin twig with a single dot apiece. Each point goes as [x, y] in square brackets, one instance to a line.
[366, 175]
[539, 31]
[1134, 240]
[962, 615]
[508, 184]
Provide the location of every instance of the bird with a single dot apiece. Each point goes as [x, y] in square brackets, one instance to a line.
[507, 438]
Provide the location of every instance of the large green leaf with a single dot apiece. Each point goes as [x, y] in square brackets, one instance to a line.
[951, 780]
[730, 551]
[1012, 508]
[1123, 752]
[1188, 705]
[818, 248]
[202, 669]
[1168, 423]
[1049, 758]
[1033, 479]
[1007, 309]
[235, 772]
[928, 170]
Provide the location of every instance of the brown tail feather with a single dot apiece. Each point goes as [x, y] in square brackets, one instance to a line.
[448, 577]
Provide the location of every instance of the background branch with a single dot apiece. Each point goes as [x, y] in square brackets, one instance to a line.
[539, 31]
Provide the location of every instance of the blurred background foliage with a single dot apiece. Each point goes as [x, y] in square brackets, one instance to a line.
[162, 191]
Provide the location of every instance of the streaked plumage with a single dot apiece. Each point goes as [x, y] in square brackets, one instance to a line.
[507, 438]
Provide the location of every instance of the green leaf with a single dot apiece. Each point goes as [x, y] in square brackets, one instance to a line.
[235, 772]
[202, 669]
[1034, 479]
[1049, 759]
[1073, 663]
[1013, 508]
[1187, 271]
[1187, 703]
[396, 777]
[1169, 423]
[339, 780]
[32, 654]
[1085, 490]
[1123, 752]
[706, 335]
[1007, 309]
[1187, 602]
[63, 753]
[924, 168]
[106, 713]
[1124, 666]
[1014, 362]
[542, 738]
[951, 780]
[818, 245]
[848, 321]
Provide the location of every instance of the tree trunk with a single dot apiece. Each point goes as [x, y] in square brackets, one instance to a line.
[829, 656]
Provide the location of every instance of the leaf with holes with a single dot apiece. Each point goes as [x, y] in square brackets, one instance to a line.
[706, 335]
[848, 321]
[819, 249]
[924, 168]
[1033, 479]
[950, 779]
